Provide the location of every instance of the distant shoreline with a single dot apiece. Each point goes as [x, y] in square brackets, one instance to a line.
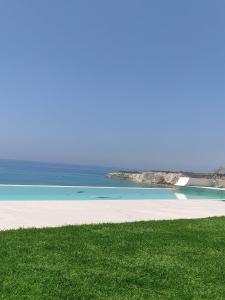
[163, 178]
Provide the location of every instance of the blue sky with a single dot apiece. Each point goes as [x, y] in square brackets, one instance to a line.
[123, 83]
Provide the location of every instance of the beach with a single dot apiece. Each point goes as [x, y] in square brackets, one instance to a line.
[27, 214]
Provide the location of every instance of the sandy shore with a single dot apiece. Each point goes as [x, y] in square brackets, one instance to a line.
[16, 214]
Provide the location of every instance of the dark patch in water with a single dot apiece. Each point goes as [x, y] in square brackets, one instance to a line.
[80, 192]
[103, 197]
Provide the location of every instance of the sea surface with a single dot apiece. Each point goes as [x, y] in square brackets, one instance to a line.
[33, 173]
[46, 181]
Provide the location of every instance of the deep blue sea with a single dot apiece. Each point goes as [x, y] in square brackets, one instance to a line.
[20, 172]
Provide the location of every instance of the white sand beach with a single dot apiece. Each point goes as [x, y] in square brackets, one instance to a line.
[26, 214]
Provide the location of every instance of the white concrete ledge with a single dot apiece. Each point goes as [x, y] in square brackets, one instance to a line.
[207, 187]
[16, 214]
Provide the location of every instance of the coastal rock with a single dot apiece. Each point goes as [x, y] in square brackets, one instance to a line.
[170, 178]
[148, 178]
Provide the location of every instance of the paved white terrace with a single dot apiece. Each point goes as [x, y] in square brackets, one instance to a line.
[16, 214]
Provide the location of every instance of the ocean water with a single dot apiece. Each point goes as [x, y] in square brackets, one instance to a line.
[32, 173]
[44, 181]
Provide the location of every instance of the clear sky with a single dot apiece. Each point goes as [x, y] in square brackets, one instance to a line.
[124, 83]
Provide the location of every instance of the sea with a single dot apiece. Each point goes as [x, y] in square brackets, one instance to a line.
[22, 180]
[43, 173]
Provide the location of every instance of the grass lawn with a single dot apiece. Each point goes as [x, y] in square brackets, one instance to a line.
[182, 259]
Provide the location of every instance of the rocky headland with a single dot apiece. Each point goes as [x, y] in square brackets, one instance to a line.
[161, 178]
[148, 178]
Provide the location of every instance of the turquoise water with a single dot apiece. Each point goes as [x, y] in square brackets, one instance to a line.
[72, 182]
[102, 193]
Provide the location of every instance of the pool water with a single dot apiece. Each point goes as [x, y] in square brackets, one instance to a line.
[21, 192]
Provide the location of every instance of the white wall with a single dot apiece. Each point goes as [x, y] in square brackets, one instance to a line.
[203, 182]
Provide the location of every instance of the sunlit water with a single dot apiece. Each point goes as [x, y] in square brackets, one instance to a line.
[42, 181]
[103, 193]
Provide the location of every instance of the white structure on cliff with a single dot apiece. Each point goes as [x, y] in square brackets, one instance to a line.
[201, 182]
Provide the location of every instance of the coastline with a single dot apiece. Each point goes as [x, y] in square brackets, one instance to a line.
[170, 179]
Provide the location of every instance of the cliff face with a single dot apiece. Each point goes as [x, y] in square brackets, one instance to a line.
[149, 178]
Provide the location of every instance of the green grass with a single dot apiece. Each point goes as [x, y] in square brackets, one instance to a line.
[182, 259]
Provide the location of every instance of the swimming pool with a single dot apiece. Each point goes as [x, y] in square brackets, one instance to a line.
[41, 192]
